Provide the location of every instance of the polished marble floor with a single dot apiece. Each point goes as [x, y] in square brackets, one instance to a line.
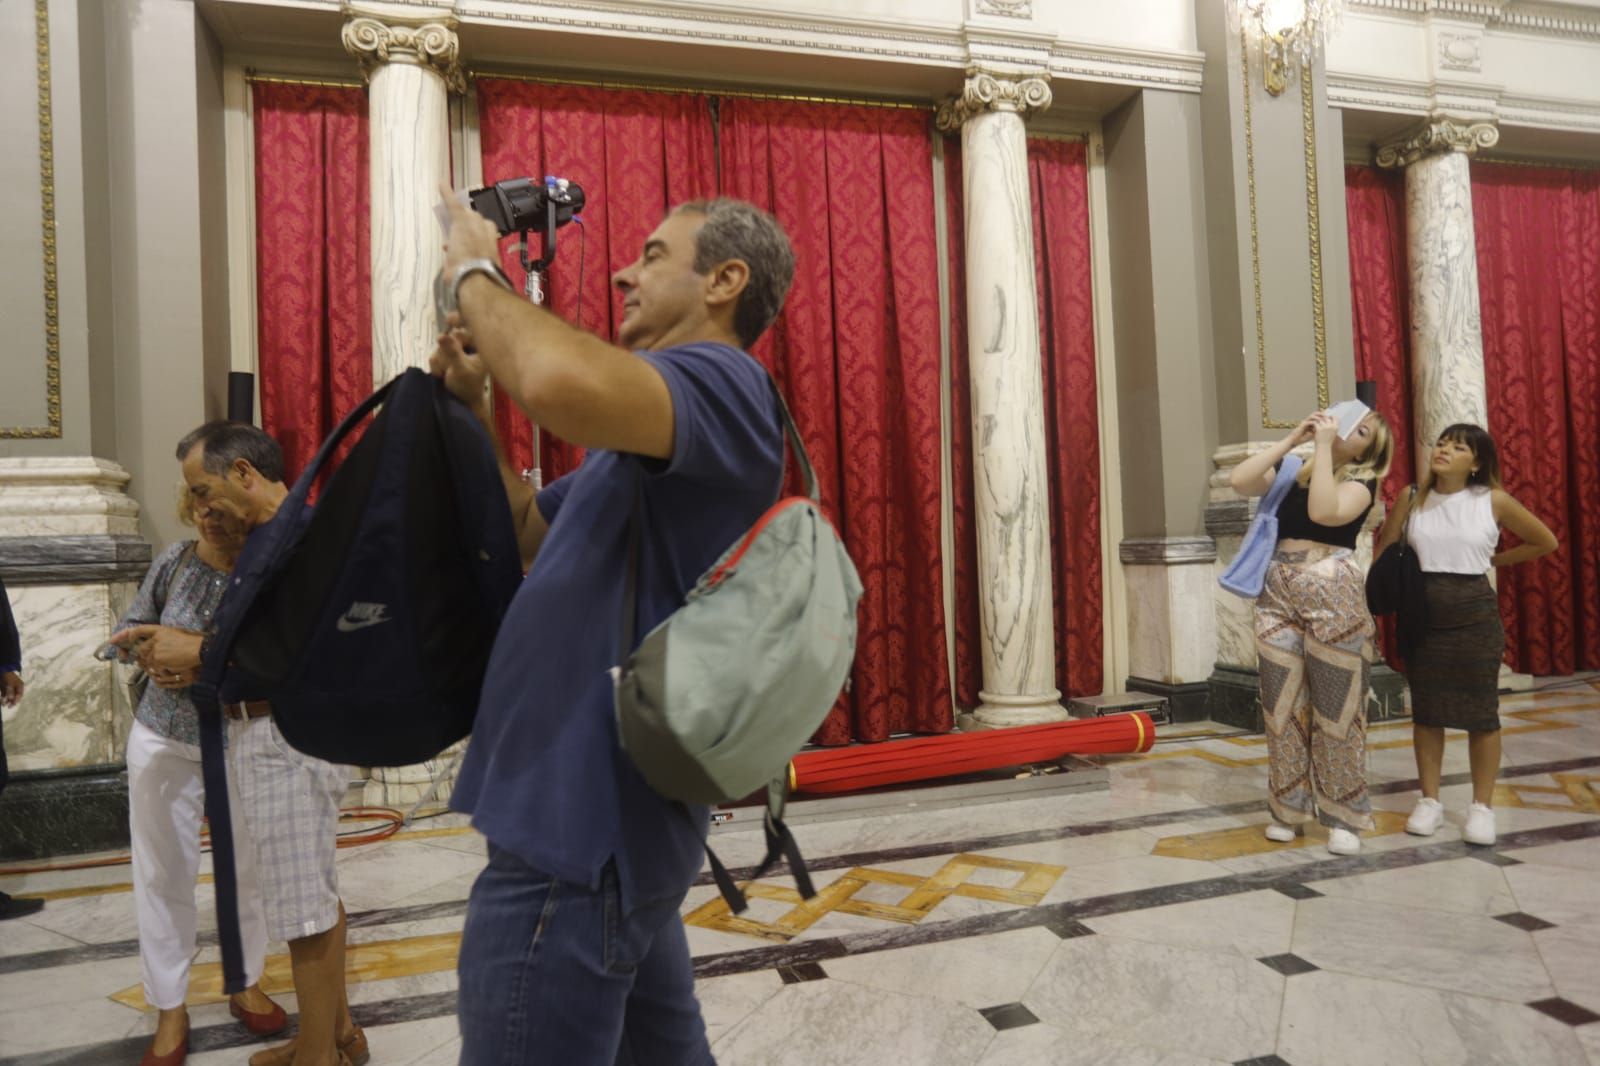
[1150, 923]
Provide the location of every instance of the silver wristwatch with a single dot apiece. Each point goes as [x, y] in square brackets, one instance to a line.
[487, 267]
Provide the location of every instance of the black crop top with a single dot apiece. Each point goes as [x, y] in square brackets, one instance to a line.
[1294, 521]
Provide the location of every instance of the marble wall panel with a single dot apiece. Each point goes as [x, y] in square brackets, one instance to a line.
[74, 712]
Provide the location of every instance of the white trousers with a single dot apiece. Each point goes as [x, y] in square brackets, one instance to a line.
[166, 799]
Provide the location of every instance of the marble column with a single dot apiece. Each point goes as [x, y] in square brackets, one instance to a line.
[1009, 460]
[410, 59]
[72, 558]
[1446, 335]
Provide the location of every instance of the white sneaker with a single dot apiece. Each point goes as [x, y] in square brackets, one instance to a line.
[1282, 834]
[1343, 842]
[1480, 825]
[1426, 818]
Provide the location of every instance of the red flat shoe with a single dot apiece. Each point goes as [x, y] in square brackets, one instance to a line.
[176, 1057]
[265, 1023]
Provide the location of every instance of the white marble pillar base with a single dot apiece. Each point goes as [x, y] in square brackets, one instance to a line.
[71, 555]
[401, 787]
[1172, 619]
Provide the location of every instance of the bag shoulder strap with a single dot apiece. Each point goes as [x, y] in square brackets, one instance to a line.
[164, 589]
[1280, 485]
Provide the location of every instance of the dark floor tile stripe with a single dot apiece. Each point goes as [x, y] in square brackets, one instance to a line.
[122, 949]
[1123, 902]
[437, 1005]
[232, 1035]
[43, 960]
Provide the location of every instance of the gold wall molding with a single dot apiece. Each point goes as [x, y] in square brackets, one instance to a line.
[421, 41]
[1436, 137]
[1319, 321]
[1313, 236]
[47, 199]
[255, 77]
[986, 91]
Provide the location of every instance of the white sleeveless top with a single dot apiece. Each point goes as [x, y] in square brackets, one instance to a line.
[1455, 533]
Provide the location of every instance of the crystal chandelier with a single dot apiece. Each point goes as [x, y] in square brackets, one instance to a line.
[1290, 32]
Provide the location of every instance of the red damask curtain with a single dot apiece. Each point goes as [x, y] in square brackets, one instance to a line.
[1375, 206]
[313, 265]
[1538, 241]
[856, 351]
[636, 154]
[1059, 189]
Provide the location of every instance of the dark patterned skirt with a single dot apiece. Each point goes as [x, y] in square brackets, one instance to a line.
[1455, 673]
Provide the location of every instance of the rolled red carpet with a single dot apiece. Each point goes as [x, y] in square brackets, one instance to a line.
[923, 758]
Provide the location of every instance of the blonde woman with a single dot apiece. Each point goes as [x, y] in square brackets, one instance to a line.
[1313, 631]
[1454, 673]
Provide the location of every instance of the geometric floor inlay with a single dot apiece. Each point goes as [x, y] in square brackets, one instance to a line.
[1526, 922]
[1289, 965]
[1564, 1010]
[1009, 1016]
[922, 896]
[1243, 840]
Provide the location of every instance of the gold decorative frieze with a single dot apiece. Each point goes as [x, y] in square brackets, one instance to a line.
[987, 91]
[51, 430]
[1437, 136]
[421, 41]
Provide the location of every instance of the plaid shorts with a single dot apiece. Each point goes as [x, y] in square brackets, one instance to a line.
[290, 802]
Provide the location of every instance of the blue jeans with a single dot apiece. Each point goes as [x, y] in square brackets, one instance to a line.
[552, 972]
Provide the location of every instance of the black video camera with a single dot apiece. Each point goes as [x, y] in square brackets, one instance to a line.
[523, 204]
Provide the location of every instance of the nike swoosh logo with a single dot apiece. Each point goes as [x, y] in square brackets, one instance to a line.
[345, 625]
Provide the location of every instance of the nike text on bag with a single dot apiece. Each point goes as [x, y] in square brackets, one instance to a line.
[716, 700]
[367, 625]
[1247, 575]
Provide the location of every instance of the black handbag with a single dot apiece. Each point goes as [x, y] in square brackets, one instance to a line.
[1395, 586]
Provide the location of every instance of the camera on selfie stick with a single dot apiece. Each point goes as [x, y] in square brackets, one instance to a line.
[522, 205]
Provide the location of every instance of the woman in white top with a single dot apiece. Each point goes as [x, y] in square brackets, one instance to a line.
[1455, 520]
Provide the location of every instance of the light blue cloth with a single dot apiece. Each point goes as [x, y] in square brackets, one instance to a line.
[1247, 574]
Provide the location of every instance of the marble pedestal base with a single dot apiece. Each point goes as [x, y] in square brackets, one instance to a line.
[402, 787]
[1172, 626]
[72, 559]
[64, 812]
[1234, 697]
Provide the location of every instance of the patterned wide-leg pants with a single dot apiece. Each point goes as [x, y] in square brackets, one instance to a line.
[1314, 643]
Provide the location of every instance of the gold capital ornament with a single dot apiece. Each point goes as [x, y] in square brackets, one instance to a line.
[986, 91]
[1436, 137]
[422, 42]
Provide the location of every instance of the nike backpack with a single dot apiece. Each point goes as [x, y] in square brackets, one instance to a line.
[366, 621]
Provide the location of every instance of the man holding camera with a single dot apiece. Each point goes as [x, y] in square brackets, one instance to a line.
[573, 951]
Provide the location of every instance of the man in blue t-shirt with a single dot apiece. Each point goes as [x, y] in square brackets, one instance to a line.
[573, 950]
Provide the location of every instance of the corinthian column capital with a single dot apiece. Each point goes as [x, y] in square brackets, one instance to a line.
[987, 91]
[377, 34]
[1436, 137]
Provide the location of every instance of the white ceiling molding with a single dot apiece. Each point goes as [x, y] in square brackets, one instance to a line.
[950, 45]
[1581, 21]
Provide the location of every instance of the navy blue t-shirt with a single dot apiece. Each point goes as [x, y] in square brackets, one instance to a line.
[545, 776]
